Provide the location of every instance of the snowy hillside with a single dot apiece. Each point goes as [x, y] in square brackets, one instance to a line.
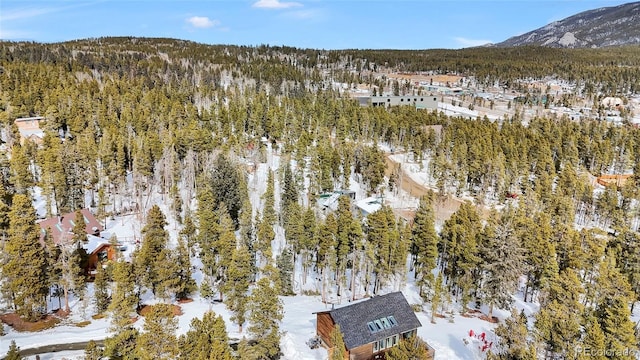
[609, 26]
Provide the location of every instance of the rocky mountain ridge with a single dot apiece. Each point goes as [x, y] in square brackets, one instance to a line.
[602, 27]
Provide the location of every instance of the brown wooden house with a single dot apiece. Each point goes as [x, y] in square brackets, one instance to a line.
[60, 229]
[99, 250]
[370, 327]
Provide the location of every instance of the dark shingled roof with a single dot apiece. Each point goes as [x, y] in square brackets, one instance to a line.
[353, 319]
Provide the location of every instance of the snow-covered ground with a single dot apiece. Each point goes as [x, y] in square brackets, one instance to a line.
[448, 336]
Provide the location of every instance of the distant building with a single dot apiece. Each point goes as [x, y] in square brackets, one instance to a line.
[369, 205]
[29, 128]
[613, 179]
[330, 200]
[369, 328]
[429, 102]
[611, 102]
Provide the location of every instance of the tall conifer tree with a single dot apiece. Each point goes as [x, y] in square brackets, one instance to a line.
[25, 268]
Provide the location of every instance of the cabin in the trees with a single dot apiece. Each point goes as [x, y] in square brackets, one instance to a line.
[29, 129]
[99, 250]
[369, 327]
[60, 229]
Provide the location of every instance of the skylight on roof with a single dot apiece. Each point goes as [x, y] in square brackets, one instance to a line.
[382, 324]
[385, 323]
[372, 327]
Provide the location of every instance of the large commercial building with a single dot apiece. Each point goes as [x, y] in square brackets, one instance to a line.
[419, 101]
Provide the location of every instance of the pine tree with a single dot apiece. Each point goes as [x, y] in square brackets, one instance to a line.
[326, 253]
[459, 247]
[264, 236]
[124, 298]
[101, 289]
[14, 352]
[225, 244]
[617, 327]
[92, 351]
[25, 266]
[158, 340]
[52, 178]
[167, 273]
[226, 186]
[269, 214]
[424, 244]
[439, 292]
[188, 234]
[72, 259]
[558, 321]
[502, 263]
[5, 200]
[206, 339]
[237, 285]
[122, 345]
[265, 314]
[208, 232]
[514, 337]
[343, 245]
[593, 344]
[21, 176]
[378, 236]
[289, 192]
[186, 285]
[412, 348]
[284, 262]
[338, 348]
[152, 256]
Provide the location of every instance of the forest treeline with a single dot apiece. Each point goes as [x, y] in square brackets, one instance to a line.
[126, 117]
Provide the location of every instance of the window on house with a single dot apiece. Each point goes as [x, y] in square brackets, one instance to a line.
[392, 320]
[378, 324]
[381, 344]
[375, 347]
[372, 327]
[385, 323]
[394, 340]
[102, 255]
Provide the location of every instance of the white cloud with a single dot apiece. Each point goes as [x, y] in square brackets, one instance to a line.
[275, 4]
[15, 34]
[21, 14]
[464, 42]
[202, 22]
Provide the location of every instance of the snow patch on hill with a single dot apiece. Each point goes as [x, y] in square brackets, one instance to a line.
[568, 39]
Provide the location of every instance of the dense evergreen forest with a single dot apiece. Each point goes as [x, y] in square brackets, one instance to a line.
[129, 117]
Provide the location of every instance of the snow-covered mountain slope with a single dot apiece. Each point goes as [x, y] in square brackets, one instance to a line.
[607, 26]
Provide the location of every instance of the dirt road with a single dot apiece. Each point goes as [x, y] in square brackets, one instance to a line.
[443, 208]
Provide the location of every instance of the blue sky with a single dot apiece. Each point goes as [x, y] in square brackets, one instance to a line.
[319, 24]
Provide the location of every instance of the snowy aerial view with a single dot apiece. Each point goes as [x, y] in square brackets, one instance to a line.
[214, 180]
